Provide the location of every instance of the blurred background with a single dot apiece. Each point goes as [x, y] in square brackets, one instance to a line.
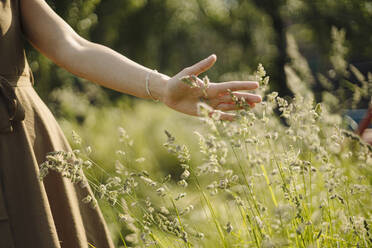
[168, 35]
[317, 47]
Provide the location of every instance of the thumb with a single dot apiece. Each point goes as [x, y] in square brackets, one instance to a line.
[201, 66]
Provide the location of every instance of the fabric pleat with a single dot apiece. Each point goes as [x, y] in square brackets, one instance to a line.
[34, 213]
[48, 213]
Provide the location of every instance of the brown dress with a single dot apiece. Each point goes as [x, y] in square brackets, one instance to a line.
[35, 214]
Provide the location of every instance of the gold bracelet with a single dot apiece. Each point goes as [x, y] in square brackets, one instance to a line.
[147, 86]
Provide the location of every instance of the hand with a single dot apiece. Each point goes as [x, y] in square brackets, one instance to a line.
[184, 98]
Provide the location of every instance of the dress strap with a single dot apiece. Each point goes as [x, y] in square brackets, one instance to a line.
[11, 110]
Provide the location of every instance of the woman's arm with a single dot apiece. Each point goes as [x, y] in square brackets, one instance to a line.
[53, 37]
[58, 41]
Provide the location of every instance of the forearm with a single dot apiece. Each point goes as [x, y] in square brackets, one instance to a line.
[58, 41]
[52, 36]
[110, 69]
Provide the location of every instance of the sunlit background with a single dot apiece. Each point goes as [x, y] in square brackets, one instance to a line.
[318, 46]
[168, 35]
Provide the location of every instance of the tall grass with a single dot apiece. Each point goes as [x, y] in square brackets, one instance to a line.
[261, 181]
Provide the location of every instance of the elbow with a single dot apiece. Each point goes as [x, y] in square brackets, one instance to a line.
[69, 49]
[68, 52]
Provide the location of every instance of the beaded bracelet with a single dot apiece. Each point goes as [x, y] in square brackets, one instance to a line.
[147, 86]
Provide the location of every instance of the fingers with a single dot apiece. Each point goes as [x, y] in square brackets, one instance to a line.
[227, 106]
[227, 116]
[248, 97]
[232, 106]
[223, 115]
[221, 88]
[201, 66]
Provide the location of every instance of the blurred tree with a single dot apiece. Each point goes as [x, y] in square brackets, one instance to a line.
[80, 15]
[167, 35]
[311, 23]
[273, 9]
[170, 34]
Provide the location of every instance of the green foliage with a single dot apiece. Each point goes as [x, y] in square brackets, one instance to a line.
[249, 183]
[170, 35]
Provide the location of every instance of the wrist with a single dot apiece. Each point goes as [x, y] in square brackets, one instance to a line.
[157, 83]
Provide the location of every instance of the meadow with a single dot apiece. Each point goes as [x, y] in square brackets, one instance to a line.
[288, 173]
[284, 174]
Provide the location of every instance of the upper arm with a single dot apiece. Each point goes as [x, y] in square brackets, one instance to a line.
[48, 32]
